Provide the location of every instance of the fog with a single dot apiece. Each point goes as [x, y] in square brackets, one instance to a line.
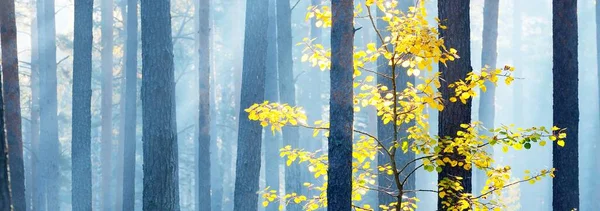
[524, 41]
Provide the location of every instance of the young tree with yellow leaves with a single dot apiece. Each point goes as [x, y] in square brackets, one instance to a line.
[410, 46]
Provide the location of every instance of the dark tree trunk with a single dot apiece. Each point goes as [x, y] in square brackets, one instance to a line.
[106, 104]
[565, 191]
[32, 189]
[253, 91]
[489, 54]
[12, 104]
[455, 15]
[49, 145]
[271, 140]
[203, 180]
[5, 200]
[82, 97]
[161, 182]
[339, 189]
[130, 107]
[287, 92]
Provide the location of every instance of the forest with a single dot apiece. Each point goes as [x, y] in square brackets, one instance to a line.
[266, 105]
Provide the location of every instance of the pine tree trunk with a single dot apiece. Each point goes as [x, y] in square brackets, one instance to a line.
[106, 104]
[565, 191]
[455, 15]
[5, 199]
[12, 102]
[204, 140]
[82, 98]
[489, 53]
[253, 91]
[287, 93]
[339, 189]
[49, 145]
[34, 128]
[272, 141]
[161, 182]
[130, 107]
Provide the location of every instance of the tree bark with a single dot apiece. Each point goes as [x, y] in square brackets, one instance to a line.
[82, 97]
[12, 102]
[161, 182]
[339, 189]
[253, 91]
[5, 198]
[565, 109]
[130, 106]
[272, 141]
[287, 93]
[455, 15]
[106, 104]
[49, 144]
[32, 189]
[204, 140]
[489, 53]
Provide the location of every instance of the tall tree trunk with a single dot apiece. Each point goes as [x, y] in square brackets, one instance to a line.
[489, 53]
[106, 104]
[49, 145]
[455, 15]
[271, 140]
[12, 102]
[253, 91]
[287, 92]
[5, 198]
[130, 106]
[118, 173]
[82, 97]
[565, 191]
[32, 189]
[204, 141]
[341, 113]
[161, 182]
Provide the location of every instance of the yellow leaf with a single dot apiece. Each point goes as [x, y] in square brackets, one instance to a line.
[561, 143]
[505, 149]
[265, 203]
[442, 194]
[369, 78]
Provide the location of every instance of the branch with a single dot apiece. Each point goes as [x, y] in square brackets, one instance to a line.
[296, 4]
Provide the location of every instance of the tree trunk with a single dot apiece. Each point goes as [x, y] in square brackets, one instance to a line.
[130, 107]
[32, 189]
[49, 145]
[161, 182]
[106, 104]
[12, 102]
[204, 140]
[287, 93]
[455, 15]
[489, 53]
[272, 141]
[339, 189]
[82, 97]
[118, 173]
[565, 191]
[5, 199]
[253, 91]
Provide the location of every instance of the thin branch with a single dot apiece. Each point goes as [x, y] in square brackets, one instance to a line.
[296, 4]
